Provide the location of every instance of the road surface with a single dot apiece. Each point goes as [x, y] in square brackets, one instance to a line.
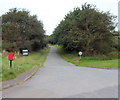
[60, 79]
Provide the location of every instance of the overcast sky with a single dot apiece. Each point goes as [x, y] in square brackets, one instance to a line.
[51, 12]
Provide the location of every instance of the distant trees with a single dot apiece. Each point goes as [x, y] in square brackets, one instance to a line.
[22, 30]
[86, 29]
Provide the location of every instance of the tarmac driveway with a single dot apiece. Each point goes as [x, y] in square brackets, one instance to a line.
[60, 79]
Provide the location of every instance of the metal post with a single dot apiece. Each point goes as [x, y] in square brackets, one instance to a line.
[80, 57]
[10, 63]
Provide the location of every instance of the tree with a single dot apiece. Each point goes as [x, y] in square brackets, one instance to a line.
[86, 29]
[21, 30]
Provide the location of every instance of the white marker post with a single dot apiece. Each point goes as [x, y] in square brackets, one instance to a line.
[80, 54]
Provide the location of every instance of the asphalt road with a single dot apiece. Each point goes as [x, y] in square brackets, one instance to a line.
[60, 79]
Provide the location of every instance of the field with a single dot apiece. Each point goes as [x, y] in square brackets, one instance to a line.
[22, 64]
[101, 61]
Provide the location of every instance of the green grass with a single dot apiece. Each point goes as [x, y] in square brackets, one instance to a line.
[101, 61]
[22, 64]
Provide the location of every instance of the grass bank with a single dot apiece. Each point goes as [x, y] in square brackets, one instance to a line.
[22, 64]
[101, 61]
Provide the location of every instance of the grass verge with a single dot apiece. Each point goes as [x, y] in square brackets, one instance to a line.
[22, 64]
[109, 61]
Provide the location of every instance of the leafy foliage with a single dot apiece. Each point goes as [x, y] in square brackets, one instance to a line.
[21, 30]
[86, 29]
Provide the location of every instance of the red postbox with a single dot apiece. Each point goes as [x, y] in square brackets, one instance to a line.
[11, 56]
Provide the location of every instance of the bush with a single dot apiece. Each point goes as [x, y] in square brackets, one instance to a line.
[110, 56]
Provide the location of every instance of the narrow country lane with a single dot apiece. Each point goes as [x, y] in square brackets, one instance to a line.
[60, 79]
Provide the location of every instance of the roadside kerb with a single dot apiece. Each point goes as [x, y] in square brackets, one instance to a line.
[19, 79]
